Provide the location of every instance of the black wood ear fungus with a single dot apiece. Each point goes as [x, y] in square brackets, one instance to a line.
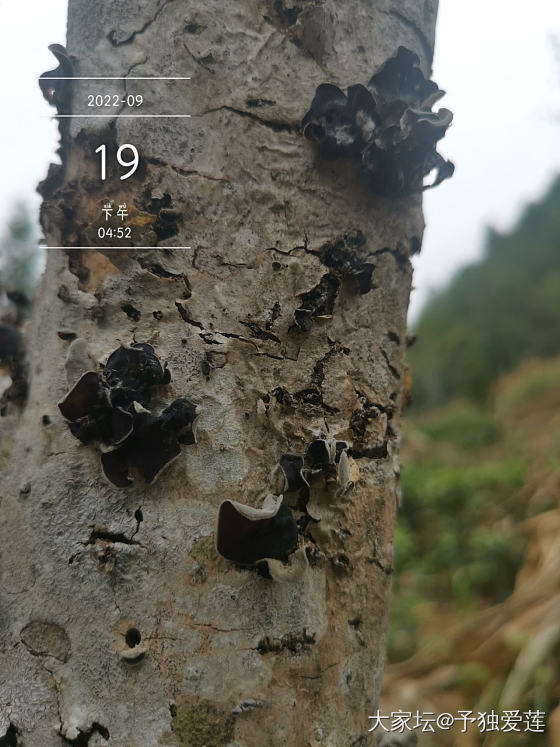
[55, 90]
[247, 535]
[317, 303]
[341, 256]
[388, 127]
[325, 462]
[110, 408]
[131, 371]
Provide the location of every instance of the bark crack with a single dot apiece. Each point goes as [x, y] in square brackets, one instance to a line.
[186, 172]
[270, 123]
[387, 569]
[111, 36]
[393, 371]
[97, 533]
[321, 673]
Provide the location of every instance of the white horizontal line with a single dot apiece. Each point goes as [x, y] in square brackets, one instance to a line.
[116, 116]
[44, 246]
[48, 77]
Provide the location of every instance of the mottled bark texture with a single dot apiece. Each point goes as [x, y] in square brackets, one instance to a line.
[119, 622]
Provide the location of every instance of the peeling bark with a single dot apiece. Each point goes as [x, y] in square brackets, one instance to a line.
[120, 623]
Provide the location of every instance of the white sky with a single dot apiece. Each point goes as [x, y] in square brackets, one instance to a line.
[497, 63]
[494, 57]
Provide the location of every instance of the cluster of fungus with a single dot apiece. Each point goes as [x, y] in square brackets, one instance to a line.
[111, 409]
[341, 257]
[55, 84]
[387, 127]
[265, 537]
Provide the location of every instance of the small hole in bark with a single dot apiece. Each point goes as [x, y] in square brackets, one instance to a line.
[192, 27]
[132, 637]
[138, 515]
[46, 420]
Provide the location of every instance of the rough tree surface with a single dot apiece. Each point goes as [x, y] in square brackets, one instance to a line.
[119, 622]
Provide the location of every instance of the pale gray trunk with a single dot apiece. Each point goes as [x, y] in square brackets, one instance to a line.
[229, 656]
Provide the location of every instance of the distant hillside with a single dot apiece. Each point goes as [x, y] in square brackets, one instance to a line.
[475, 614]
[494, 313]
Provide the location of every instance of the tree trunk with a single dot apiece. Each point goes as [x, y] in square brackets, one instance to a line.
[120, 623]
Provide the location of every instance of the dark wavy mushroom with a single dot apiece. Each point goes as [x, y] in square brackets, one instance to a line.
[341, 256]
[149, 450]
[320, 453]
[111, 409]
[388, 128]
[329, 475]
[116, 468]
[131, 371]
[180, 418]
[154, 443]
[400, 157]
[54, 90]
[296, 487]
[400, 79]
[91, 417]
[340, 124]
[247, 535]
[292, 466]
[86, 396]
[317, 302]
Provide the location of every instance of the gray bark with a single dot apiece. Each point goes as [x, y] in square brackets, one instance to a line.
[228, 656]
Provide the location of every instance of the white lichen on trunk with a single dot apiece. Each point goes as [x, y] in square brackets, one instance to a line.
[223, 655]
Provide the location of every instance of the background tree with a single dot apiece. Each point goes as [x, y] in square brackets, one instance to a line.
[20, 256]
[283, 316]
[461, 354]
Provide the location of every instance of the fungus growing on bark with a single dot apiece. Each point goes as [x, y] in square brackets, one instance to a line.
[341, 257]
[247, 535]
[317, 477]
[56, 91]
[388, 127]
[266, 538]
[111, 408]
[153, 444]
[279, 571]
[131, 371]
[317, 302]
[292, 466]
[90, 414]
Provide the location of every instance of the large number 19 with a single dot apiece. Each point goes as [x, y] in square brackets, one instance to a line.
[133, 163]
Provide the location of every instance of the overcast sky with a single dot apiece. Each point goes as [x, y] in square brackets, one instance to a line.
[494, 57]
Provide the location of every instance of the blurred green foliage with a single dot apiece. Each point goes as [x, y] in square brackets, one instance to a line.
[494, 313]
[462, 424]
[456, 537]
[20, 256]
